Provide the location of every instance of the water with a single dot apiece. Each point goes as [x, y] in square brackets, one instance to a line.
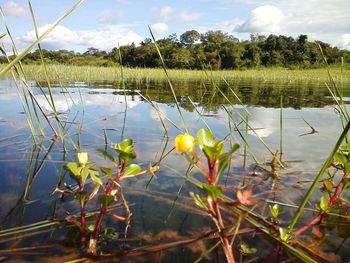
[31, 169]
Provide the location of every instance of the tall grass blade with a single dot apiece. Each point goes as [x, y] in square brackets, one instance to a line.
[199, 114]
[169, 82]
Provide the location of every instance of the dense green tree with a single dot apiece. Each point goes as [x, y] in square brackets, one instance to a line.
[188, 38]
[214, 49]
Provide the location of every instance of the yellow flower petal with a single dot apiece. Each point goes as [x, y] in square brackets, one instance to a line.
[184, 142]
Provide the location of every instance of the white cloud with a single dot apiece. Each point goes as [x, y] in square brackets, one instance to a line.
[345, 41]
[110, 17]
[57, 39]
[323, 20]
[263, 19]
[62, 37]
[106, 39]
[167, 15]
[11, 8]
[159, 28]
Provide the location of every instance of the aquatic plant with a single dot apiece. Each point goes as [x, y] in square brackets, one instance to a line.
[217, 162]
[107, 193]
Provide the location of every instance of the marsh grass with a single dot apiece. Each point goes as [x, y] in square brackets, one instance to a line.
[69, 73]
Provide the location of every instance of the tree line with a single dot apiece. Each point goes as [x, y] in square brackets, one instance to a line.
[214, 49]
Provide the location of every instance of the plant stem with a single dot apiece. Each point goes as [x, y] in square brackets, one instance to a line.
[215, 213]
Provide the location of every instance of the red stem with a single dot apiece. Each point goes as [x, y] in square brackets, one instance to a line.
[103, 208]
[331, 203]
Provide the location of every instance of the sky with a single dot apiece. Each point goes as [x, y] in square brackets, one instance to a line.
[105, 24]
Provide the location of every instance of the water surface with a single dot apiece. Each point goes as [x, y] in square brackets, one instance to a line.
[32, 168]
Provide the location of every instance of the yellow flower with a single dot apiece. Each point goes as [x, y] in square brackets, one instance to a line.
[184, 142]
[83, 158]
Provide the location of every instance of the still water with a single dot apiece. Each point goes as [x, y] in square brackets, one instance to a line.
[97, 115]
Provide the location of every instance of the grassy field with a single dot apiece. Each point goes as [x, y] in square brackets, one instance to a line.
[65, 73]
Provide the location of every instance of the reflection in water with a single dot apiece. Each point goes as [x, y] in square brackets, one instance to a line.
[31, 171]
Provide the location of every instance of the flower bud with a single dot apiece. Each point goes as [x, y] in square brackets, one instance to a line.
[83, 158]
[184, 143]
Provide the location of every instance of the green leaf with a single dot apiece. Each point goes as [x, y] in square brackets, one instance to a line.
[205, 138]
[126, 145]
[274, 210]
[81, 197]
[346, 184]
[91, 228]
[347, 167]
[324, 204]
[198, 201]
[244, 249]
[107, 171]
[106, 200]
[108, 156]
[340, 158]
[214, 191]
[131, 170]
[126, 156]
[2, 35]
[328, 185]
[224, 160]
[84, 174]
[90, 165]
[284, 235]
[95, 177]
[73, 168]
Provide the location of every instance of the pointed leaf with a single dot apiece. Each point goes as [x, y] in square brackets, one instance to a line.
[132, 169]
[205, 138]
[107, 171]
[95, 177]
[198, 201]
[81, 197]
[73, 168]
[274, 210]
[340, 158]
[126, 145]
[347, 167]
[224, 160]
[284, 235]
[108, 156]
[84, 174]
[214, 191]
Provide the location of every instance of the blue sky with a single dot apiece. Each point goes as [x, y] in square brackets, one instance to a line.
[106, 23]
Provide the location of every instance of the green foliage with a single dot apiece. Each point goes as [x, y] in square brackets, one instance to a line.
[274, 210]
[125, 150]
[323, 205]
[206, 142]
[215, 192]
[198, 201]
[214, 49]
[245, 250]
[131, 170]
[81, 173]
[284, 234]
